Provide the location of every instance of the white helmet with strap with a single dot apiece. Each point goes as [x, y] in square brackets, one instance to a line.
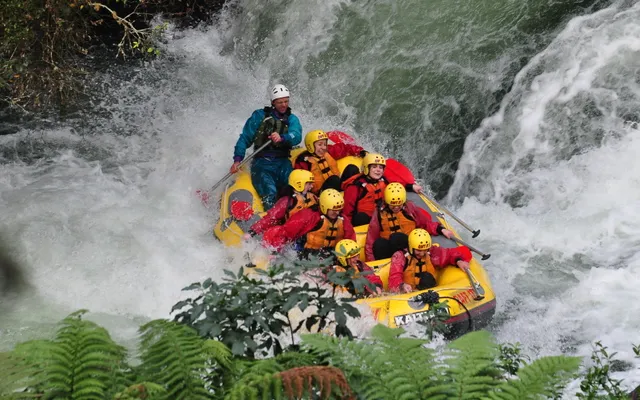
[278, 92]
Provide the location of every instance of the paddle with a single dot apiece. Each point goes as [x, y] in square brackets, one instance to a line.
[341, 137]
[478, 252]
[477, 287]
[204, 195]
[398, 171]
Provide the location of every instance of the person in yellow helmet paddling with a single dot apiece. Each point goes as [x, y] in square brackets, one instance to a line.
[414, 268]
[347, 252]
[300, 184]
[321, 230]
[320, 158]
[394, 220]
[364, 192]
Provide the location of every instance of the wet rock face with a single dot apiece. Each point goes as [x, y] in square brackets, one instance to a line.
[12, 279]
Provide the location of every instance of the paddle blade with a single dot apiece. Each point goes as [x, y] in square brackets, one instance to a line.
[395, 171]
[204, 197]
[341, 137]
[241, 210]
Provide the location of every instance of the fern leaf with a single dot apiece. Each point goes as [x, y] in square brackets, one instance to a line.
[219, 353]
[175, 355]
[540, 378]
[385, 334]
[370, 366]
[256, 378]
[470, 365]
[292, 359]
[78, 363]
[15, 374]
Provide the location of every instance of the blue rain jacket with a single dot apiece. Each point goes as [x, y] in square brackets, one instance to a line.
[268, 174]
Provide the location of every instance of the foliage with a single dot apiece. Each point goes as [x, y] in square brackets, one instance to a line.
[511, 357]
[251, 313]
[43, 44]
[82, 362]
[435, 318]
[175, 355]
[302, 381]
[141, 390]
[387, 366]
[544, 378]
[598, 383]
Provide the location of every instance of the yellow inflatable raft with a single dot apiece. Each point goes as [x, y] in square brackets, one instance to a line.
[467, 309]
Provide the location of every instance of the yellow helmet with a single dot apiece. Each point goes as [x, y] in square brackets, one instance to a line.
[331, 199]
[372, 158]
[419, 239]
[395, 194]
[298, 178]
[312, 137]
[346, 248]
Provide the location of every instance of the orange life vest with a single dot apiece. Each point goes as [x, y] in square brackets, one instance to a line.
[322, 169]
[350, 287]
[370, 195]
[414, 268]
[326, 234]
[391, 223]
[356, 274]
[299, 202]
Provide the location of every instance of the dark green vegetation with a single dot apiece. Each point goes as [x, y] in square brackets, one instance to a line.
[177, 361]
[46, 45]
[12, 278]
[249, 316]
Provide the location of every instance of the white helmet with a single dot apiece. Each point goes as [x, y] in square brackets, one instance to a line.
[278, 92]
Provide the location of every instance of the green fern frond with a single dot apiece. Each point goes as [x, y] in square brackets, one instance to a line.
[409, 355]
[248, 369]
[79, 363]
[475, 352]
[218, 353]
[372, 367]
[292, 359]
[470, 365]
[543, 377]
[257, 378]
[16, 374]
[385, 334]
[175, 355]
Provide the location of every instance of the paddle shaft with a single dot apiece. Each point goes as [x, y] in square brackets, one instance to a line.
[247, 159]
[452, 215]
[462, 242]
[477, 287]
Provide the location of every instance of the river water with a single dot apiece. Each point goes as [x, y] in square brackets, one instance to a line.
[521, 116]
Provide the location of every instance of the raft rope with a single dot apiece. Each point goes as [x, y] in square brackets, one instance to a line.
[431, 297]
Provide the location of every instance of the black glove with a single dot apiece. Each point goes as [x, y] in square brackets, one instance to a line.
[363, 153]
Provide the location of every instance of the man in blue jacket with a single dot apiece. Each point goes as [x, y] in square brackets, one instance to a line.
[271, 168]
